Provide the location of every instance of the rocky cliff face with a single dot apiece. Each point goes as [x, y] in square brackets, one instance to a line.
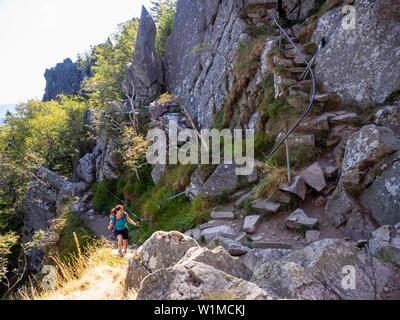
[201, 49]
[64, 78]
[203, 43]
[362, 64]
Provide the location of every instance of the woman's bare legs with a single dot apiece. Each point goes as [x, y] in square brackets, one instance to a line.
[120, 243]
[125, 246]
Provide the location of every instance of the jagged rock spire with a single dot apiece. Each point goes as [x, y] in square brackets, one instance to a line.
[144, 76]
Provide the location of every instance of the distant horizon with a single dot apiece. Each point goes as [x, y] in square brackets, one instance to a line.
[39, 34]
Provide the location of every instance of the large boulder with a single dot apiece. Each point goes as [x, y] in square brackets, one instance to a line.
[86, 169]
[225, 231]
[106, 160]
[144, 77]
[297, 10]
[389, 116]
[345, 214]
[382, 196]
[235, 248]
[364, 149]
[385, 243]
[164, 249]
[135, 274]
[193, 280]
[255, 258]
[368, 193]
[318, 272]
[224, 178]
[220, 259]
[370, 51]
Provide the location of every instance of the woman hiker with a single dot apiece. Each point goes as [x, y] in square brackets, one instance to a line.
[119, 220]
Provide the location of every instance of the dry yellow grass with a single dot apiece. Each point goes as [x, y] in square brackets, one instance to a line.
[98, 275]
[275, 176]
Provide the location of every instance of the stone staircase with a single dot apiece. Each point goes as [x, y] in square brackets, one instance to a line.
[250, 226]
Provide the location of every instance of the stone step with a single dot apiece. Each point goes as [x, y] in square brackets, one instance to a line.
[298, 100]
[271, 245]
[213, 223]
[304, 85]
[344, 118]
[289, 46]
[266, 205]
[296, 70]
[299, 60]
[222, 215]
[297, 92]
[251, 223]
[283, 62]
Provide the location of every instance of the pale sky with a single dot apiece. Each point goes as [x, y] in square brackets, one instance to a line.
[38, 34]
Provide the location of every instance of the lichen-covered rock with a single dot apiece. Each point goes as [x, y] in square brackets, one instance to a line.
[297, 10]
[255, 258]
[164, 249]
[346, 215]
[135, 274]
[195, 184]
[144, 77]
[389, 116]
[220, 259]
[80, 207]
[157, 172]
[233, 247]
[223, 178]
[385, 243]
[375, 71]
[85, 169]
[193, 280]
[105, 160]
[316, 272]
[382, 196]
[224, 231]
[364, 149]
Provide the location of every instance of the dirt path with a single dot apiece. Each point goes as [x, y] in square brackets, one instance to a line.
[98, 224]
[104, 280]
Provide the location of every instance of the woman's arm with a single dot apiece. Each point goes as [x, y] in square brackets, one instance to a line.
[131, 222]
[111, 224]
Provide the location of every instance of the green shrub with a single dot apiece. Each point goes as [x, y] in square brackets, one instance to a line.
[103, 201]
[70, 223]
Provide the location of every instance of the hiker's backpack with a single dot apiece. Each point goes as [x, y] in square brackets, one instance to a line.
[115, 222]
